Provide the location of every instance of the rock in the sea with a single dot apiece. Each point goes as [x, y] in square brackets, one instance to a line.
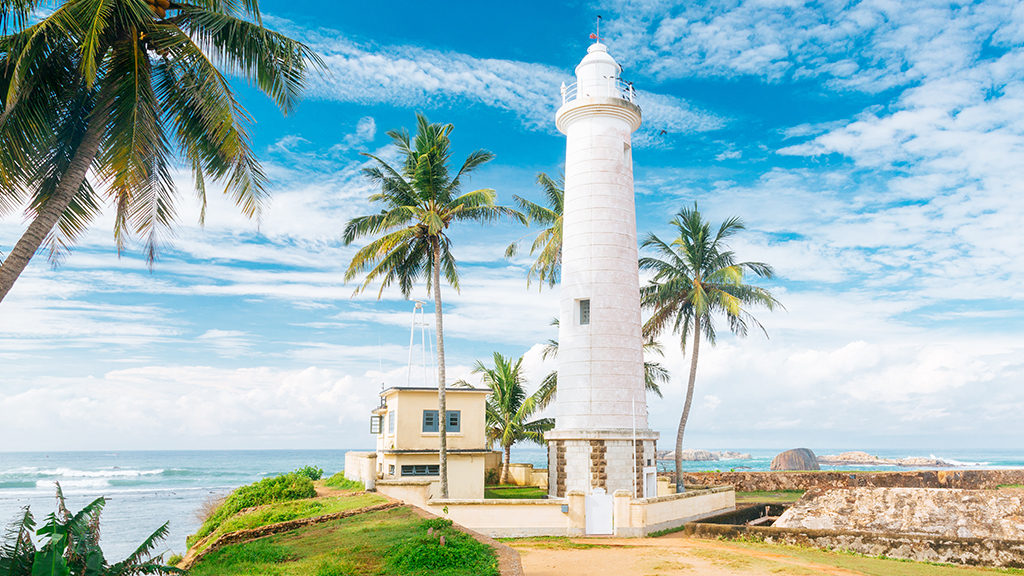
[865, 459]
[691, 455]
[796, 459]
[951, 513]
[727, 455]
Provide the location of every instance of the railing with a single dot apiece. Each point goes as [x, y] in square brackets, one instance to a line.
[617, 88]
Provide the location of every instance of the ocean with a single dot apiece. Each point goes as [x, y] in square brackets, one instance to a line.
[146, 489]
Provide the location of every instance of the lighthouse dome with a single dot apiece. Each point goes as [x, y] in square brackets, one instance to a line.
[597, 73]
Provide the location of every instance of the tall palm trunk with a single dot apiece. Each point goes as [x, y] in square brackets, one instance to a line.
[442, 406]
[686, 406]
[51, 212]
[504, 467]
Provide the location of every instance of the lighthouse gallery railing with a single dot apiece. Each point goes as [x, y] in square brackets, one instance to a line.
[617, 87]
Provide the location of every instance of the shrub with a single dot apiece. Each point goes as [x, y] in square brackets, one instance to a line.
[424, 554]
[491, 478]
[282, 488]
[312, 472]
[175, 559]
[339, 481]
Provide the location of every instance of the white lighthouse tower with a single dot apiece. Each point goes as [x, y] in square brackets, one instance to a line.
[601, 437]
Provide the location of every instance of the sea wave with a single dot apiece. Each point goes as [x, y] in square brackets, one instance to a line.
[105, 473]
[953, 462]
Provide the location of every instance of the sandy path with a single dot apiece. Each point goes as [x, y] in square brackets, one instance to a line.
[663, 557]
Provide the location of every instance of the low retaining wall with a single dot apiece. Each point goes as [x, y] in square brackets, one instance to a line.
[632, 517]
[771, 481]
[968, 551]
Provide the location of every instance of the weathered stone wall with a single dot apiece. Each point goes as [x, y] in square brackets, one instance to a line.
[921, 548]
[771, 481]
[951, 513]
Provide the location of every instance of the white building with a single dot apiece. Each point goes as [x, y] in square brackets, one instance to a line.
[601, 437]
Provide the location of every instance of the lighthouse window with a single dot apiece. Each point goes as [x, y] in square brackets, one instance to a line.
[584, 312]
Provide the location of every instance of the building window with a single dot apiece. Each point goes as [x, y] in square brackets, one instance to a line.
[391, 469]
[584, 312]
[429, 423]
[391, 422]
[375, 425]
[421, 470]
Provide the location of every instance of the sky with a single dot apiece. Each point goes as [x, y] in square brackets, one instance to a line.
[874, 149]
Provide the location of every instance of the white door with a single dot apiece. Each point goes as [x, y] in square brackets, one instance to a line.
[599, 512]
[650, 482]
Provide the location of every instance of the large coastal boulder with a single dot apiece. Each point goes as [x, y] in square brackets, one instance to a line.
[730, 455]
[796, 459]
[865, 459]
[951, 513]
[691, 455]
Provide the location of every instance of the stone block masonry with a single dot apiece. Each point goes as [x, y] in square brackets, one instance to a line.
[771, 481]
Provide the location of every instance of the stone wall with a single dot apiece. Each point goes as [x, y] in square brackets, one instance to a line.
[951, 513]
[772, 481]
[581, 464]
[921, 548]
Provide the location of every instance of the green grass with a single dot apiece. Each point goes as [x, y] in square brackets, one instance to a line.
[1010, 487]
[388, 543]
[514, 492]
[339, 481]
[292, 511]
[773, 497]
[281, 488]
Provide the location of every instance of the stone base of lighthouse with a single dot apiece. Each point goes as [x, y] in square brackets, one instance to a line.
[612, 459]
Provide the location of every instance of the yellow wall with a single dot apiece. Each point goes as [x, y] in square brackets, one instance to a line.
[408, 406]
[465, 471]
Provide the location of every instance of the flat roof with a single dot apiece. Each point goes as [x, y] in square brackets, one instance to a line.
[425, 389]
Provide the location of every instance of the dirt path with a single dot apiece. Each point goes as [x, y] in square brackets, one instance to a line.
[661, 557]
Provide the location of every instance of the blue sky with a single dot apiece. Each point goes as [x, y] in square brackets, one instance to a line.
[875, 150]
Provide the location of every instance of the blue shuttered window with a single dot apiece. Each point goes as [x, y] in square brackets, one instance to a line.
[430, 423]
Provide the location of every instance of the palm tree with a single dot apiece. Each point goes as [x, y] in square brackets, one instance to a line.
[70, 546]
[696, 277]
[420, 201]
[654, 373]
[509, 409]
[548, 243]
[117, 89]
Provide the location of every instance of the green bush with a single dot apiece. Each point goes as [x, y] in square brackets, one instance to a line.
[491, 477]
[291, 486]
[339, 481]
[175, 559]
[424, 555]
[314, 473]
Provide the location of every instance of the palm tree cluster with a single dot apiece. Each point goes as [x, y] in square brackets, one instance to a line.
[509, 409]
[100, 97]
[70, 546]
[420, 201]
[695, 277]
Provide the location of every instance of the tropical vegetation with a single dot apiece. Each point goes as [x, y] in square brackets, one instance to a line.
[420, 200]
[509, 409]
[696, 277]
[547, 268]
[283, 488]
[100, 98]
[69, 545]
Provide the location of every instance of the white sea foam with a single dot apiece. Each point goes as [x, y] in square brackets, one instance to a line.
[107, 473]
[952, 462]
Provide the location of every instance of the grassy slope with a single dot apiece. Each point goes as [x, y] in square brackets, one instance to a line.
[294, 510]
[354, 546]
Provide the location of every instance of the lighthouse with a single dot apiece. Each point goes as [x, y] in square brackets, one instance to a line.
[601, 440]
